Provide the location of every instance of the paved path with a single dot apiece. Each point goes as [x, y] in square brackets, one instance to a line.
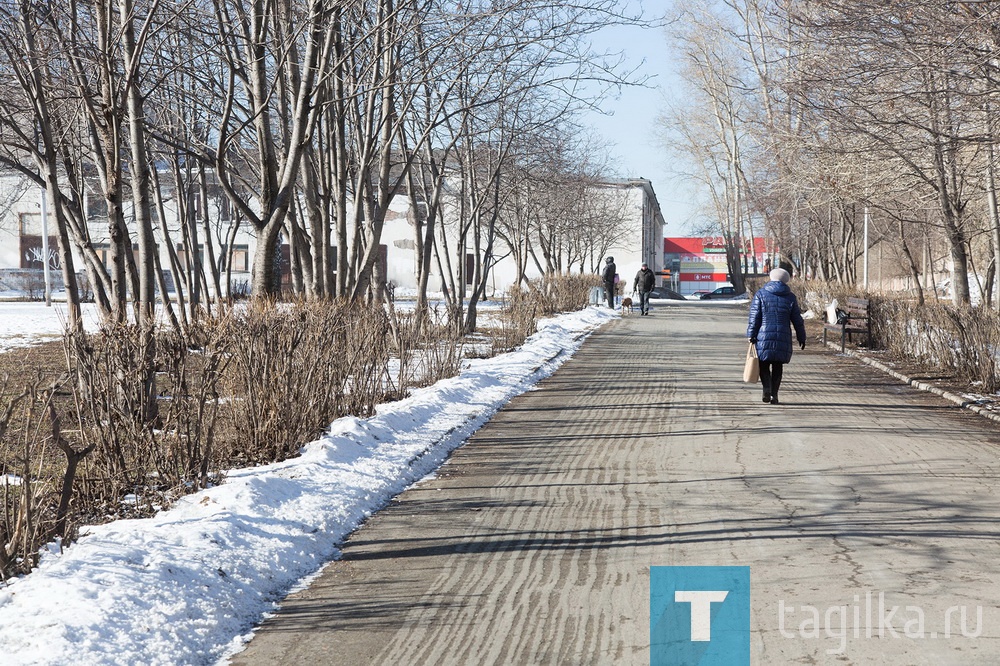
[533, 544]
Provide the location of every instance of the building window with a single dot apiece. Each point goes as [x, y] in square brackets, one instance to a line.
[182, 256]
[103, 251]
[97, 206]
[240, 258]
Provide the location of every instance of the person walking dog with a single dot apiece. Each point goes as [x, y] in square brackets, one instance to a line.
[645, 280]
[774, 308]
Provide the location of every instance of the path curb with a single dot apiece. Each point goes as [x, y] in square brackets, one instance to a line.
[965, 403]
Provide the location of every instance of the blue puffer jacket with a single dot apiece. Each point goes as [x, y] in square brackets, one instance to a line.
[773, 308]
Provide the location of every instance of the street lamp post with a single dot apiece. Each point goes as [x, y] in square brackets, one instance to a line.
[866, 248]
[45, 249]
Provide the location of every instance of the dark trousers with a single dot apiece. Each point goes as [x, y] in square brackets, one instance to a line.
[644, 301]
[770, 376]
[609, 289]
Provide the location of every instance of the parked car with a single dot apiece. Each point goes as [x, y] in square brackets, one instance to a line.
[721, 292]
[664, 292]
[695, 295]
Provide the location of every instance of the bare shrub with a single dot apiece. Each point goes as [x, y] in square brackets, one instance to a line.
[959, 339]
[246, 386]
[428, 349]
[142, 457]
[239, 290]
[73, 458]
[297, 367]
[522, 306]
[517, 319]
[112, 397]
[565, 293]
[27, 492]
[192, 363]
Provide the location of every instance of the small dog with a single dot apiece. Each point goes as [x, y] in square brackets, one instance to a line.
[626, 306]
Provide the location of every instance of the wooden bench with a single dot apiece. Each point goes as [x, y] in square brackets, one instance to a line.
[858, 320]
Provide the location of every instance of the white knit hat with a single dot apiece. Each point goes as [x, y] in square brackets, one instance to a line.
[779, 275]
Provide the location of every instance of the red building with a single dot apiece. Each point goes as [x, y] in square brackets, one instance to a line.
[699, 264]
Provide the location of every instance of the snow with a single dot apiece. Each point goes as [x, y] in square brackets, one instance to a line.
[25, 324]
[188, 585]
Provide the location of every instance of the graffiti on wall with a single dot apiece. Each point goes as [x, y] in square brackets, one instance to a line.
[32, 255]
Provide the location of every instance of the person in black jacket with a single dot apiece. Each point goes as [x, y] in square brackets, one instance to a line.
[608, 275]
[645, 280]
[773, 309]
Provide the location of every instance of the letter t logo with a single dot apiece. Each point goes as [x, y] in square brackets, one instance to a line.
[701, 610]
[699, 615]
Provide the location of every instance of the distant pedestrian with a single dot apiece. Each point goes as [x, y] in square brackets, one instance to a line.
[608, 275]
[774, 308]
[645, 280]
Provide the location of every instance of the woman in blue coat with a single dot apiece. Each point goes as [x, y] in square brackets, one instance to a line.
[773, 309]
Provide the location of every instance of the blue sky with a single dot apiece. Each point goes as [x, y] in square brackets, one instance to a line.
[632, 123]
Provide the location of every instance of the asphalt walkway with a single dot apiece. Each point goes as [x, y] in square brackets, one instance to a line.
[533, 543]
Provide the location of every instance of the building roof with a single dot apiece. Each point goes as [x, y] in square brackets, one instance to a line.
[645, 184]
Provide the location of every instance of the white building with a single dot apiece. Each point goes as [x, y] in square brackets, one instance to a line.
[644, 241]
[21, 237]
[641, 241]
